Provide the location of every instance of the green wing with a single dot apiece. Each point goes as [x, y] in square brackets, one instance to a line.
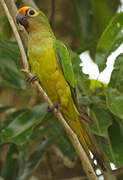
[65, 61]
[66, 64]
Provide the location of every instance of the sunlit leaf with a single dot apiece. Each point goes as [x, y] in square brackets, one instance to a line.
[109, 39]
[96, 84]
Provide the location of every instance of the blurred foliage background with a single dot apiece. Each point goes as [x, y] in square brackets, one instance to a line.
[33, 143]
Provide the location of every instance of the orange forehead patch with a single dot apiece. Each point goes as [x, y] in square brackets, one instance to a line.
[23, 10]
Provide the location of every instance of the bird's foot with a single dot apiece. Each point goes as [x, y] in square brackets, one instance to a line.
[32, 78]
[55, 106]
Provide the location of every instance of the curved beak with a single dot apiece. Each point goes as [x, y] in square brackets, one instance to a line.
[22, 19]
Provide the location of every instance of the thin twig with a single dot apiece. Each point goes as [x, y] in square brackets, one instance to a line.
[50, 166]
[52, 12]
[64, 159]
[83, 156]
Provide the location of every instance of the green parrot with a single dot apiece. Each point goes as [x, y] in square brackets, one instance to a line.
[50, 61]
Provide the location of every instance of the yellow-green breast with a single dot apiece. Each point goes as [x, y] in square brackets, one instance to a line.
[45, 64]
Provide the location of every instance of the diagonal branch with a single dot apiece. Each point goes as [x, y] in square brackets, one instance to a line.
[13, 11]
[83, 157]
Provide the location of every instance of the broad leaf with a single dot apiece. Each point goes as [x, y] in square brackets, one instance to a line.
[117, 74]
[114, 100]
[102, 14]
[116, 144]
[10, 79]
[102, 121]
[83, 19]
[111, 38]
[11, 118]
[10, 73]
[113, 144]
[82, 81]
[19, 130]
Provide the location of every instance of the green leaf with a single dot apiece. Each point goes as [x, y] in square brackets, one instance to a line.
[6, 30]
[66, 147]
[111, 38]
[85, 100]
[82, 80]
[19, 130]
[10, 48]
[102, 121]
[102, 13]
[114, 101]
[116, 144]
[10, 73]
[113, 144]
[54, 127]
[10, 166]
[34, 159]
[96, 84]
[116, 80]
[91, 18]
[10, 79]
[10, 118]
[83, 19]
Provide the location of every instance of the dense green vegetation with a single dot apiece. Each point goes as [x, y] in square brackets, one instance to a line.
[27, 129]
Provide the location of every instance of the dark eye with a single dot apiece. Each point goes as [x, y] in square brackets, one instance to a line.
[31, 12]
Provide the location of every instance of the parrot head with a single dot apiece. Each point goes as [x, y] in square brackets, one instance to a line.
[30, 18]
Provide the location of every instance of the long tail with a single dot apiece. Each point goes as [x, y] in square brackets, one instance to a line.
[80, 129]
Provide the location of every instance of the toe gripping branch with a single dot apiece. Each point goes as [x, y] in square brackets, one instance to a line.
[31, 79]
[55, 106]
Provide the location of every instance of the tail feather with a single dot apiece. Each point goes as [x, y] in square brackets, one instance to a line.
[90, 147]
[80, 129]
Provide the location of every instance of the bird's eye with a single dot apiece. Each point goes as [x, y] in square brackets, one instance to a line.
[31, 12]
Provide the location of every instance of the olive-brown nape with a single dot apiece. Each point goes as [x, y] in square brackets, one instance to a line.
[23, 10]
